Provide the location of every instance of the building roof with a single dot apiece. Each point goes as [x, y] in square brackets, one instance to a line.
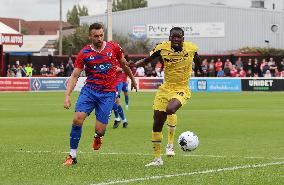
[6, 29]
[35, 27]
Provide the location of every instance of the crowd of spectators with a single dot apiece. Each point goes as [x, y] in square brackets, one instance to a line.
[240, 68]
[227, 68]
[50, 70]
[150, 70]
[209, 68]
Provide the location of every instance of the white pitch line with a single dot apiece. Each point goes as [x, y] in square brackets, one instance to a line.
[148, 154]
[190, 174]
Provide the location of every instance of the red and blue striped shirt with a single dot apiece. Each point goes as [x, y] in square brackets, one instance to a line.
[100, 66]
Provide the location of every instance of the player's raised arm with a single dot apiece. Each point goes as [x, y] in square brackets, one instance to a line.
[153, 57]
[70, 86]
[127, 70]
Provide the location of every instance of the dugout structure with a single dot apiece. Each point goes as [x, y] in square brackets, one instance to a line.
[8, 36]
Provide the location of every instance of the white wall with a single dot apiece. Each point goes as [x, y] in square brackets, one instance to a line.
[237, 3]
[268, 4]
[279, 4]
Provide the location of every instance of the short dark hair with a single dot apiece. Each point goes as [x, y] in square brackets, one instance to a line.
[95, 26]
[177, 29]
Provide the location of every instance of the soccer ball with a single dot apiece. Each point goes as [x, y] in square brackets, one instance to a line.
[188, 141]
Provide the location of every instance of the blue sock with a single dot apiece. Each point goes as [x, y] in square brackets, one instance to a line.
[126, 98]
[115, 110]
[75, 136]
[120, 112]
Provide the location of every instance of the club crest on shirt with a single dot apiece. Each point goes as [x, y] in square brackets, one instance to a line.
[102, 67]
[109, 54]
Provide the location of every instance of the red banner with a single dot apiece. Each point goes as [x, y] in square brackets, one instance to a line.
[14, 84]
[150, 84]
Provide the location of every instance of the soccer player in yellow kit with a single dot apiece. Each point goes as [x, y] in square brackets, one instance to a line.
[177, 56]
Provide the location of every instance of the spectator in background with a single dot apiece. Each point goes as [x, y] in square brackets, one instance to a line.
[29, 70]
[61, 65]
[220, 73]
[158, 68]
[61, 72]
[233, 71]
[140, 72]
[35, 72]
[19, 70]
[13, 68]
[264, 67]
[242, 73]
[227, 67]
[52, 70]
[69, 67]
[218, 66]
[248, 65]
[24, 72]
[239, 64]
[10, 71]
[249, 73]
[273, 68]
[204, 68]
[149, 70]
[270, 61]
[157, 72]
[44, 70]
[211, 68]
[228, 63]
[255, 68]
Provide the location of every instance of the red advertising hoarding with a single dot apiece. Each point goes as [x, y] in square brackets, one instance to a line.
[14, 84]
[150, 83]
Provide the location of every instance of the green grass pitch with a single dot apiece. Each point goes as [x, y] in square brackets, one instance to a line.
[241, 142]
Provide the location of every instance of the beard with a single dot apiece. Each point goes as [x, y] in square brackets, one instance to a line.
[98, 44]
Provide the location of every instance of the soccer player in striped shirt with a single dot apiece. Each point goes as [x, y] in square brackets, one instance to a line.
[99, 60]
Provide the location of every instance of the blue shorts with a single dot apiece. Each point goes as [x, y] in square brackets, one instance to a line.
[122, 86]
[90, 99]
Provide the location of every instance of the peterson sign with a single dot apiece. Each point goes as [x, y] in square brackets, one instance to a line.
[11, 39]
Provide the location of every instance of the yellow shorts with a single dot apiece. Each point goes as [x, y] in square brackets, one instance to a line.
[165, 93]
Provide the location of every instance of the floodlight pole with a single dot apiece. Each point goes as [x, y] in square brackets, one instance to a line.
[60, 27]
[109, 20]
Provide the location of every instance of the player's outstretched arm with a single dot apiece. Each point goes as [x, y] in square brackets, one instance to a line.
[153, 57]
[70, 86]
[127, 70]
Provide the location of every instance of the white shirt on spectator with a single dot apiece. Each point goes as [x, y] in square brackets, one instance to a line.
[140, 71]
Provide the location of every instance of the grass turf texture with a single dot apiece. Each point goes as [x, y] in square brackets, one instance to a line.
[234, 129]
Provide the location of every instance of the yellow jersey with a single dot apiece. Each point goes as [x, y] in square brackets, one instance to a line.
[177, 65]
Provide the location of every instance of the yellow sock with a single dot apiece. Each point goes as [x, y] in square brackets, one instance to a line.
[171, 134]
[157, 140]
[171, 122]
